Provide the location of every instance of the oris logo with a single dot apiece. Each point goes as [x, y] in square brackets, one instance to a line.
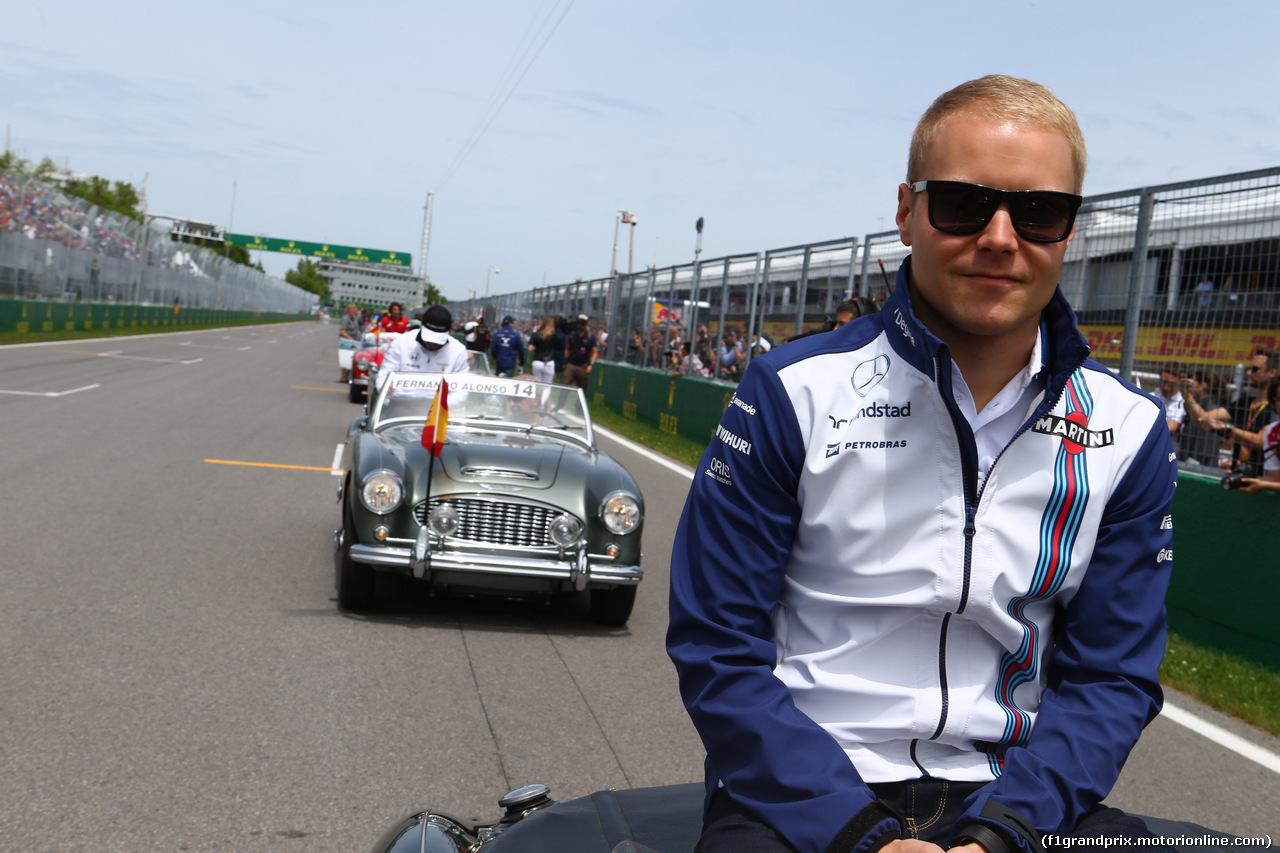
[1165, 555]
[719, 471]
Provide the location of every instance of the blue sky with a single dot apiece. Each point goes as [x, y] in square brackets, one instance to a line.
[778, 122]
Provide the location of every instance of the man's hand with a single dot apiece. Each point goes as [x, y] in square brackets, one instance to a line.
[915, 845]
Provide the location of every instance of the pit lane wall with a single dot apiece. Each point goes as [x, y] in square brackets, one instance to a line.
[24, 316]
[1226, 582]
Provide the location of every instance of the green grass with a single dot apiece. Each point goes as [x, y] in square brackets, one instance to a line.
[1223, 681]
[78, 334]
[1232, 685]
[680, 449]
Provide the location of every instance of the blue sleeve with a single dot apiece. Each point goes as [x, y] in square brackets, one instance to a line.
[1108, 645]
[731, 552]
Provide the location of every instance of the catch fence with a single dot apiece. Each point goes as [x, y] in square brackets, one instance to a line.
[1185, 273]
[58, 247]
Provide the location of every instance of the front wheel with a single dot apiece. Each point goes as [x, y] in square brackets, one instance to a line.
[613, 606]
[355, 393]
[356, 581]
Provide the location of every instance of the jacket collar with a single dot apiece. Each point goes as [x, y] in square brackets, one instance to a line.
[1063, 348]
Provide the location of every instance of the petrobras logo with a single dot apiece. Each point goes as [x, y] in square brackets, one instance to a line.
[902, 324]
[1074, 432]
[869, 374]
[739, 444]
[1165, 555]
[746, 407]
[840, 446]
[718, 470]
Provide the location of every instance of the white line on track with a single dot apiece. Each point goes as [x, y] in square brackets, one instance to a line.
[1221, 736]
[337, 459]
[51, 393]
[682, 470]
[1172, 713]
[210, 346]
[116, 354]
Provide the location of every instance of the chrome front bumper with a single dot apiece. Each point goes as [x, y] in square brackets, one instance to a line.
[579, 567]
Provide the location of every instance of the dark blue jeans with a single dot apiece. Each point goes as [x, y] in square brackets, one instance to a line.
[930, 809]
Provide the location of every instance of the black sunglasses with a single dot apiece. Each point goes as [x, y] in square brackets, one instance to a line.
[1041, 216]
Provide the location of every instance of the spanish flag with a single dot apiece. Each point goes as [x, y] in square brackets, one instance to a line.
[437, 420]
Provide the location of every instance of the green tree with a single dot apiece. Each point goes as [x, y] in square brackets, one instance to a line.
[307, 276]
[119, 197]
[240, 255]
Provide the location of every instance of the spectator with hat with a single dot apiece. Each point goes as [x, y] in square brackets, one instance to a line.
[507, 348]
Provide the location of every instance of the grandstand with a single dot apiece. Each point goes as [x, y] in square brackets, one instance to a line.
[55, 246]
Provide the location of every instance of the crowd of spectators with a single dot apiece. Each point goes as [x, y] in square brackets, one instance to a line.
[1237, 435]
[40, 213]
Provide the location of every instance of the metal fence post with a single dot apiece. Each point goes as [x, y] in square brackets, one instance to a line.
[1137, 275]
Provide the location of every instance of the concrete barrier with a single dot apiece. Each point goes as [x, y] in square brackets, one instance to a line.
[23, 316]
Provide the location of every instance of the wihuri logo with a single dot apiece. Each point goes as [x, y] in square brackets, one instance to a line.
[739, 444]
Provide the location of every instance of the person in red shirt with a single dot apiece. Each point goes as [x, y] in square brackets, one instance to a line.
[394, 321]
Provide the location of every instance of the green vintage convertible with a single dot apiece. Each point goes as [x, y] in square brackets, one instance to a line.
[520, 501]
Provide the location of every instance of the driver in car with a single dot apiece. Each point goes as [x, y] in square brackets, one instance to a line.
[431, 350]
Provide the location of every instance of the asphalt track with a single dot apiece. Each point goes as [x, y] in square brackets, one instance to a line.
[175, 674]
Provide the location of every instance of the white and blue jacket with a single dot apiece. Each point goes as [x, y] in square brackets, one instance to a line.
[847, 607]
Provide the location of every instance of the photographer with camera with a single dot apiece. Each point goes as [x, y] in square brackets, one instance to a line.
[1270, 479]
[1246, 417]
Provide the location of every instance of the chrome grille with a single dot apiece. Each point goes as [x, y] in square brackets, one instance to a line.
[493, 521]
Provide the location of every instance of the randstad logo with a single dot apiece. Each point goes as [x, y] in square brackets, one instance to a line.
[884, 410]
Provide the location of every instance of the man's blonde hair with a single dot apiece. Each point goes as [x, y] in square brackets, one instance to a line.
[999, 98]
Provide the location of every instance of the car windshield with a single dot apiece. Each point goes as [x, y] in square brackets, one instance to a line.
[486, 402]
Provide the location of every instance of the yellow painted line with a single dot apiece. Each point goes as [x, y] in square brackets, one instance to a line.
[309, 388]
[271, 465]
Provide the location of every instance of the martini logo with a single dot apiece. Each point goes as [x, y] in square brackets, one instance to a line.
[1074, 432]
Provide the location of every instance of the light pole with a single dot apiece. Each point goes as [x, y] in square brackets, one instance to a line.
[491, 271]
[629, 218]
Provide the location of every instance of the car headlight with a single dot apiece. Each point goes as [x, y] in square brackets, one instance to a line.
[363, 364]
[564, 530]
[620, 513]
[444, 520]
[382, 491]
